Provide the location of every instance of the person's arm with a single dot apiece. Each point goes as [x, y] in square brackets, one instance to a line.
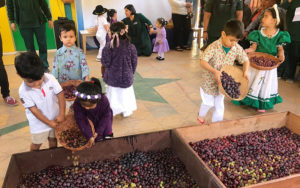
[280, 53]
[255, 24]
[252, 48]
[45, 8]
[134, 58]
[40, 116]
[207, 66]
[206, 19]
[105, 122]
[55, 68]
[246, 68]
[11, 14]
[239, 15]
[62, 107]
[82, 121]
[145, 20]
[85, 72]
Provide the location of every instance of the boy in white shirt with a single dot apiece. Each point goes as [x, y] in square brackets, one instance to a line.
[42, 97]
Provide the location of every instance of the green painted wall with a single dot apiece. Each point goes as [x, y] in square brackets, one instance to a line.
[20, 45]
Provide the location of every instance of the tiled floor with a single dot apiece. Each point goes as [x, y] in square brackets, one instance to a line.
[167, 93]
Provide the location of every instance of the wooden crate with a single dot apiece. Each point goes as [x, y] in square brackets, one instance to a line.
[205, 176]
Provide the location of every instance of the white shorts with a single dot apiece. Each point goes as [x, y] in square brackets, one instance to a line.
[41, 138]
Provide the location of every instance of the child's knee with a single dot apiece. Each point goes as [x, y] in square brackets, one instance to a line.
[35, 147]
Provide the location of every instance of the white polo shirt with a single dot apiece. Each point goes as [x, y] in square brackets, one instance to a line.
[44, 99]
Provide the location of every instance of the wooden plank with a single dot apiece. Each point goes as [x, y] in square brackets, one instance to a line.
[236, 127]
[293, 123]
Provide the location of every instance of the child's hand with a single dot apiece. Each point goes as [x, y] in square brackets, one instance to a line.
[218, 76]
[249, 50]
[60, 118]
[281, 59]
[87, 78]
[91, 141]
[159, 42]
[52, 124]
[246, 75]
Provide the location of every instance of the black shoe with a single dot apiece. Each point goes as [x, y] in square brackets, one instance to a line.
[160, 59]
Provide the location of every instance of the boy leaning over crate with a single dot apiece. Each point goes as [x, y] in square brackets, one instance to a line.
[222, 52]
[42, 97]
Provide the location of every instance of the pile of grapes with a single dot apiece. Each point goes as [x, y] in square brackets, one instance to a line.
[73, 138]
[137, 169]
[253, 157]
[262, 61]
[231, 87]
[69, 91]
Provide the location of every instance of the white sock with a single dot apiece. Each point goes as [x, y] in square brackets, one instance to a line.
[161, 54]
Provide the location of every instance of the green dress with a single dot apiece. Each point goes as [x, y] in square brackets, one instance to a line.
[139, 35]
[263, 85]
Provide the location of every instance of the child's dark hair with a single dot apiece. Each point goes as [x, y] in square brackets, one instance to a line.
[92, 87]
[116, 28]
[29, 66]
[66, 28]
[162, 21]
[110, 14]
[131, 8]
[234, 28]
[282, 23]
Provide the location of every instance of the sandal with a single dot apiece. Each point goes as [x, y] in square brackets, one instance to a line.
[200, 120]
[178, 48]
[187, 48]
[261, 111]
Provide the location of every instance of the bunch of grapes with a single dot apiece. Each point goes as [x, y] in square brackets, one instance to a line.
[263, 62]
[73, 137]
[69, 91]
[231, 87]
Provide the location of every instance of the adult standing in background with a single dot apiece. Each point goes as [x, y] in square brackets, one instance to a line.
[181, 30]
[293, 27]
[137, 30]
[3, 75]
[31, 16]
[216, 14]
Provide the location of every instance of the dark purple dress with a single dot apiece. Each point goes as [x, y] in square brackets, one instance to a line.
[101, 116]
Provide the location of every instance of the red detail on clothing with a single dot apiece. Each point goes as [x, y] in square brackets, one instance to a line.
[256, 15]
[92, 81]
[44, 94]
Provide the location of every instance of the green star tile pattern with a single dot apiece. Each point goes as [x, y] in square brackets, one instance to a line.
[144, 88]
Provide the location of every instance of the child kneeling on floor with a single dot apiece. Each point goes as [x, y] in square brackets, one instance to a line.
[222, 52]
[91, 104]
[42, 98]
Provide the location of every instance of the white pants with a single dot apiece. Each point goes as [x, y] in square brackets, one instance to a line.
[161, 54]
[101, 37]
[209, 101]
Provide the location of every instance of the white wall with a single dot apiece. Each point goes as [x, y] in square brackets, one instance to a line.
[152, 9]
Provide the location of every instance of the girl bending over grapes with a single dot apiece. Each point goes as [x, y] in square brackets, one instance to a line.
[263, 85]
[92, 104]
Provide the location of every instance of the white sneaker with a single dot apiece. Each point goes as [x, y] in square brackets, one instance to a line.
[98, 59]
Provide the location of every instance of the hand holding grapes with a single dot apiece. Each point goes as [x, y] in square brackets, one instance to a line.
[218, 76]
[91, 141]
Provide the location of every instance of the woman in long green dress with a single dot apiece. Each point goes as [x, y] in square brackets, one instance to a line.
[137, 30]
[263, 85]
